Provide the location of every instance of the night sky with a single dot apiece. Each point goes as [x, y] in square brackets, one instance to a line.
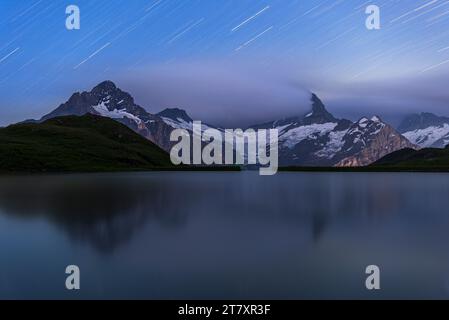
[230, 62]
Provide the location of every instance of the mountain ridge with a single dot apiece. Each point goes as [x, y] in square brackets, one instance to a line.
[320, 139]
[426, 129]
[312, 138]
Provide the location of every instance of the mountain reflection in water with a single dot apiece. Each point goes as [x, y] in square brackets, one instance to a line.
[188, 235]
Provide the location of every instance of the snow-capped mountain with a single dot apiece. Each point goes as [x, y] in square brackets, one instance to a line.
[317, 115]
[109, 101]
[310, 139]
[320, 139]
[426, 130]
[368, 140]
[176, 118]
[316, 138]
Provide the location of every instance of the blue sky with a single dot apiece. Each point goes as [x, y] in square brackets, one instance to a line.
[194, 54]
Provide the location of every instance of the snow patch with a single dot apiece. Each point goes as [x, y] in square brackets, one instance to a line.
[363, 122]
[179, 124]
[425, 138]
[336, 142]
[294, 136]
[182, 124]
[103, 110]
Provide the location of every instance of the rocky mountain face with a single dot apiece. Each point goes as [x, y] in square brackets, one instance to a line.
[316, 138]
[319, 139]
[426, 130]
[369, 140]
[109, 101]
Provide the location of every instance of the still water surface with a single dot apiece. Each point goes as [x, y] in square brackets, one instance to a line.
[225, 235]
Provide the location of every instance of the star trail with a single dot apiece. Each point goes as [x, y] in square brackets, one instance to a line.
[324, 46]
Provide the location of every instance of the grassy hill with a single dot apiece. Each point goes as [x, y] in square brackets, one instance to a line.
[77, 144]
[416, 160]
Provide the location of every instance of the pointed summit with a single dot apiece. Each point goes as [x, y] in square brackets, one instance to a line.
[105, 86]
[112, 96]
[107, 100]
[317, 104]
[319, 114]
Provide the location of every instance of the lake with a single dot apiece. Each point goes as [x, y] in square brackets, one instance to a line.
[196, 235]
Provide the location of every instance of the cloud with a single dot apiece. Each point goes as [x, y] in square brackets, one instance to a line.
[222, 93]
[242, 94]
[391, 98]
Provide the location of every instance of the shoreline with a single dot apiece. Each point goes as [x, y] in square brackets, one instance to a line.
[136, 170]
[365, 169]
[236, 169]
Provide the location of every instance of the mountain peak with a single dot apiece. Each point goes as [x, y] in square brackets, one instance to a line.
[105, 85]
[376, 119]
[174, 114]
[319, 114]
[113, 96]
[105, 88]
[372, 125]
[317, 104]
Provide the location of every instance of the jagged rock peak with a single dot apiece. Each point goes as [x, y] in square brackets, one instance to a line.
[318, 114]
[175, 113]
[105, 86]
